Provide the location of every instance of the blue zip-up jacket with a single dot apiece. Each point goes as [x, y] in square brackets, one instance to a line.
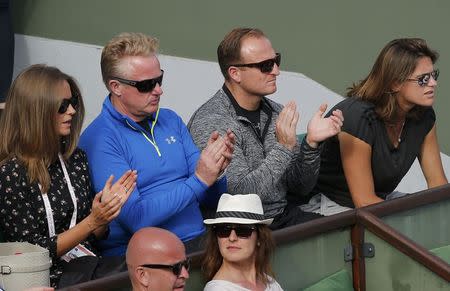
[168, 192]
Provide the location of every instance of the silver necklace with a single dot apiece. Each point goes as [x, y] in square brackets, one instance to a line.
[399, 138]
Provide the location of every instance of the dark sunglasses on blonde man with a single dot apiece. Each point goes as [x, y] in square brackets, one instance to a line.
[143, 86]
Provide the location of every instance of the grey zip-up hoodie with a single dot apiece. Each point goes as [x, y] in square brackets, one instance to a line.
[259, 165]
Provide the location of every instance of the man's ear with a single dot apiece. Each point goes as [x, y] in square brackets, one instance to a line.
[142, 276]
[114, 87]
[235, 74]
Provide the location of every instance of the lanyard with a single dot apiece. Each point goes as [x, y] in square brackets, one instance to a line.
[152, 140]
[48, 208]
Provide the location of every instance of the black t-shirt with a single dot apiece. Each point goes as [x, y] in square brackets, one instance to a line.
[389, 164]
[254, 116]
[146, 124]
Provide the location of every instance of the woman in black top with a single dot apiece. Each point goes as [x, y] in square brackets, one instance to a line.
[45, 190]
[389, 121]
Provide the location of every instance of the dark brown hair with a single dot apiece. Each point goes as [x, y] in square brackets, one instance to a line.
[229, 49]
[213, 259]
[394, 65]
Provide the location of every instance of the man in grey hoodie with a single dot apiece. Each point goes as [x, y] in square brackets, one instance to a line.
[268, 160]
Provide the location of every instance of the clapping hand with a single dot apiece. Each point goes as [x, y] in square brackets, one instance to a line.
[320, 128]
[230, 140]
[122, 187]
[108, 202]
[214, 157]
[286, 125]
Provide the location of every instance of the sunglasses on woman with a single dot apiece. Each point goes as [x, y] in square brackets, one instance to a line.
[423, 80]
[176, 268]
[143, 86]
[66, 102]
[265, 66]
[241, 230]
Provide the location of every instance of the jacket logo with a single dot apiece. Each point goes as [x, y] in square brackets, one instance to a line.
[171, 139]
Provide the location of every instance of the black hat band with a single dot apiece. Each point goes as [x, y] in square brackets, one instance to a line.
[240, 214]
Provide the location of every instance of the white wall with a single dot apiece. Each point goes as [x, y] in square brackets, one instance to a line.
[187, 84]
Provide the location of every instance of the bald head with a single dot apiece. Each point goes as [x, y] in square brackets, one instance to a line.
[153, 245]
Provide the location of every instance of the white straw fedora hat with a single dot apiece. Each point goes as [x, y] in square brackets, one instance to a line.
[239, 208]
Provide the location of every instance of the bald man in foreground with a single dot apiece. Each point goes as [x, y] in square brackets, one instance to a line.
[157, 261]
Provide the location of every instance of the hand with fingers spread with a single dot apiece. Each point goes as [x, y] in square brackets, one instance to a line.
[123, 187]
[320, 128]
[212, 159]
[286, 125]
[108, 202]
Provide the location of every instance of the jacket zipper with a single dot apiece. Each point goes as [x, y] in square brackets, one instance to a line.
[152, 140]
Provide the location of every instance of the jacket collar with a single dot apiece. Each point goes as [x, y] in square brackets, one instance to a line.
[123, 119]
[265, 105]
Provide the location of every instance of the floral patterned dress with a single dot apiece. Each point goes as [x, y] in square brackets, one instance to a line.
[22, 211]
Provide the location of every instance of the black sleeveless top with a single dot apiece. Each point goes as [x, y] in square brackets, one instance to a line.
[389, 164]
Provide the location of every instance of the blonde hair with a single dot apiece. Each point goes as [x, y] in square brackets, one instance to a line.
[28, 124]
[121, 46]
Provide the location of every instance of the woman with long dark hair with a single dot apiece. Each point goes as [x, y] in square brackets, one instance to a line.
[239, 246]
[389, 122]
[44, 179]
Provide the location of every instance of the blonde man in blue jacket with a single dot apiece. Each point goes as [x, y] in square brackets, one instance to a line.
[132, 131]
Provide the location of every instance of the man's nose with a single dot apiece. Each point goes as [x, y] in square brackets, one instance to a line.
[275, 70]
[158, 89]
[184, 273]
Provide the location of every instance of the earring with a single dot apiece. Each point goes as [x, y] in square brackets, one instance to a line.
[258, 244]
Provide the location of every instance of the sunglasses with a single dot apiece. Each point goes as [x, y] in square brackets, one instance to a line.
[423, 80]
[176, 268]
[242, 231]
[143, 86]
[66, 102]
[264, 66]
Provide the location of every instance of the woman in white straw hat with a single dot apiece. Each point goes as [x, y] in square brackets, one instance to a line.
[239, 246]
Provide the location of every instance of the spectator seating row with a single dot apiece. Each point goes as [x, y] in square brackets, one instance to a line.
[403, 244]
